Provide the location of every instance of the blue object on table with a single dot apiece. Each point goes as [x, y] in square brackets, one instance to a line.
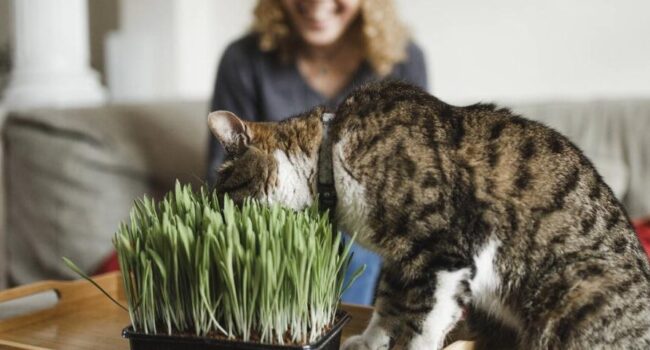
[362, 292]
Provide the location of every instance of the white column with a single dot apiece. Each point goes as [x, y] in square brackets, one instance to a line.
[51, 65]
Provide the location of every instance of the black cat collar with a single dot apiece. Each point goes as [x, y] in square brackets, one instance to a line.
[325, 186]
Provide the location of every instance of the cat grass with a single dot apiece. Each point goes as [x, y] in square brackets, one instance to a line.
[251, 272]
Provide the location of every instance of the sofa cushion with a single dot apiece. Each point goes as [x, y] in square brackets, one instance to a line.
[72, 176]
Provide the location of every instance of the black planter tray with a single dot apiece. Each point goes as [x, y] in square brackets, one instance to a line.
[140, 341]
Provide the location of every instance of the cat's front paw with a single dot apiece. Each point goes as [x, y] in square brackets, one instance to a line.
[359, 342]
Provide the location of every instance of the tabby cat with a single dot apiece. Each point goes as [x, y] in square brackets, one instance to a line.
[471, 208]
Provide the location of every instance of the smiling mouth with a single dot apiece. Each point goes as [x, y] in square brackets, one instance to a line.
[317, 16]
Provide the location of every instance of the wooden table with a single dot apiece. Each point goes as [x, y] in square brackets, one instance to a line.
[84, 318]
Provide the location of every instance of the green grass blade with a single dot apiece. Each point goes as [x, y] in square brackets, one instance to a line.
[78, 271]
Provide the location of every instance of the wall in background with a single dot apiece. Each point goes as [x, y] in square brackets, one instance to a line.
[168, 49]
[203, 38]
[530, 49]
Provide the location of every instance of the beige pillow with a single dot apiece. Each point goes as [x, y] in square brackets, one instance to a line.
[72, 176]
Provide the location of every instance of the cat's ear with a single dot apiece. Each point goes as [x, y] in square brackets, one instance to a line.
[232, 132]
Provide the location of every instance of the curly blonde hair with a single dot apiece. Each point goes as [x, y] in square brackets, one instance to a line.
[384, 36]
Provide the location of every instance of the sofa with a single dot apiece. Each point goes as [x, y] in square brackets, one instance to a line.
[71, 175]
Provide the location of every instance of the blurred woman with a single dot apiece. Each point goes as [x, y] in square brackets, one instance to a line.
[303, 53]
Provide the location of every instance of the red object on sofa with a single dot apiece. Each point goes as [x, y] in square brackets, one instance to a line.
[110, 264]
[642, 228]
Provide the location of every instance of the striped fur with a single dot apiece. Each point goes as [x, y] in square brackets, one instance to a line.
[471, 208]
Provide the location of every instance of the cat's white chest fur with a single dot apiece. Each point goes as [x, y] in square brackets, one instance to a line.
[292, 188]
[486, 284]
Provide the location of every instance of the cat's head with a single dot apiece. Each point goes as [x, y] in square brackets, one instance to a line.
[274, 162]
